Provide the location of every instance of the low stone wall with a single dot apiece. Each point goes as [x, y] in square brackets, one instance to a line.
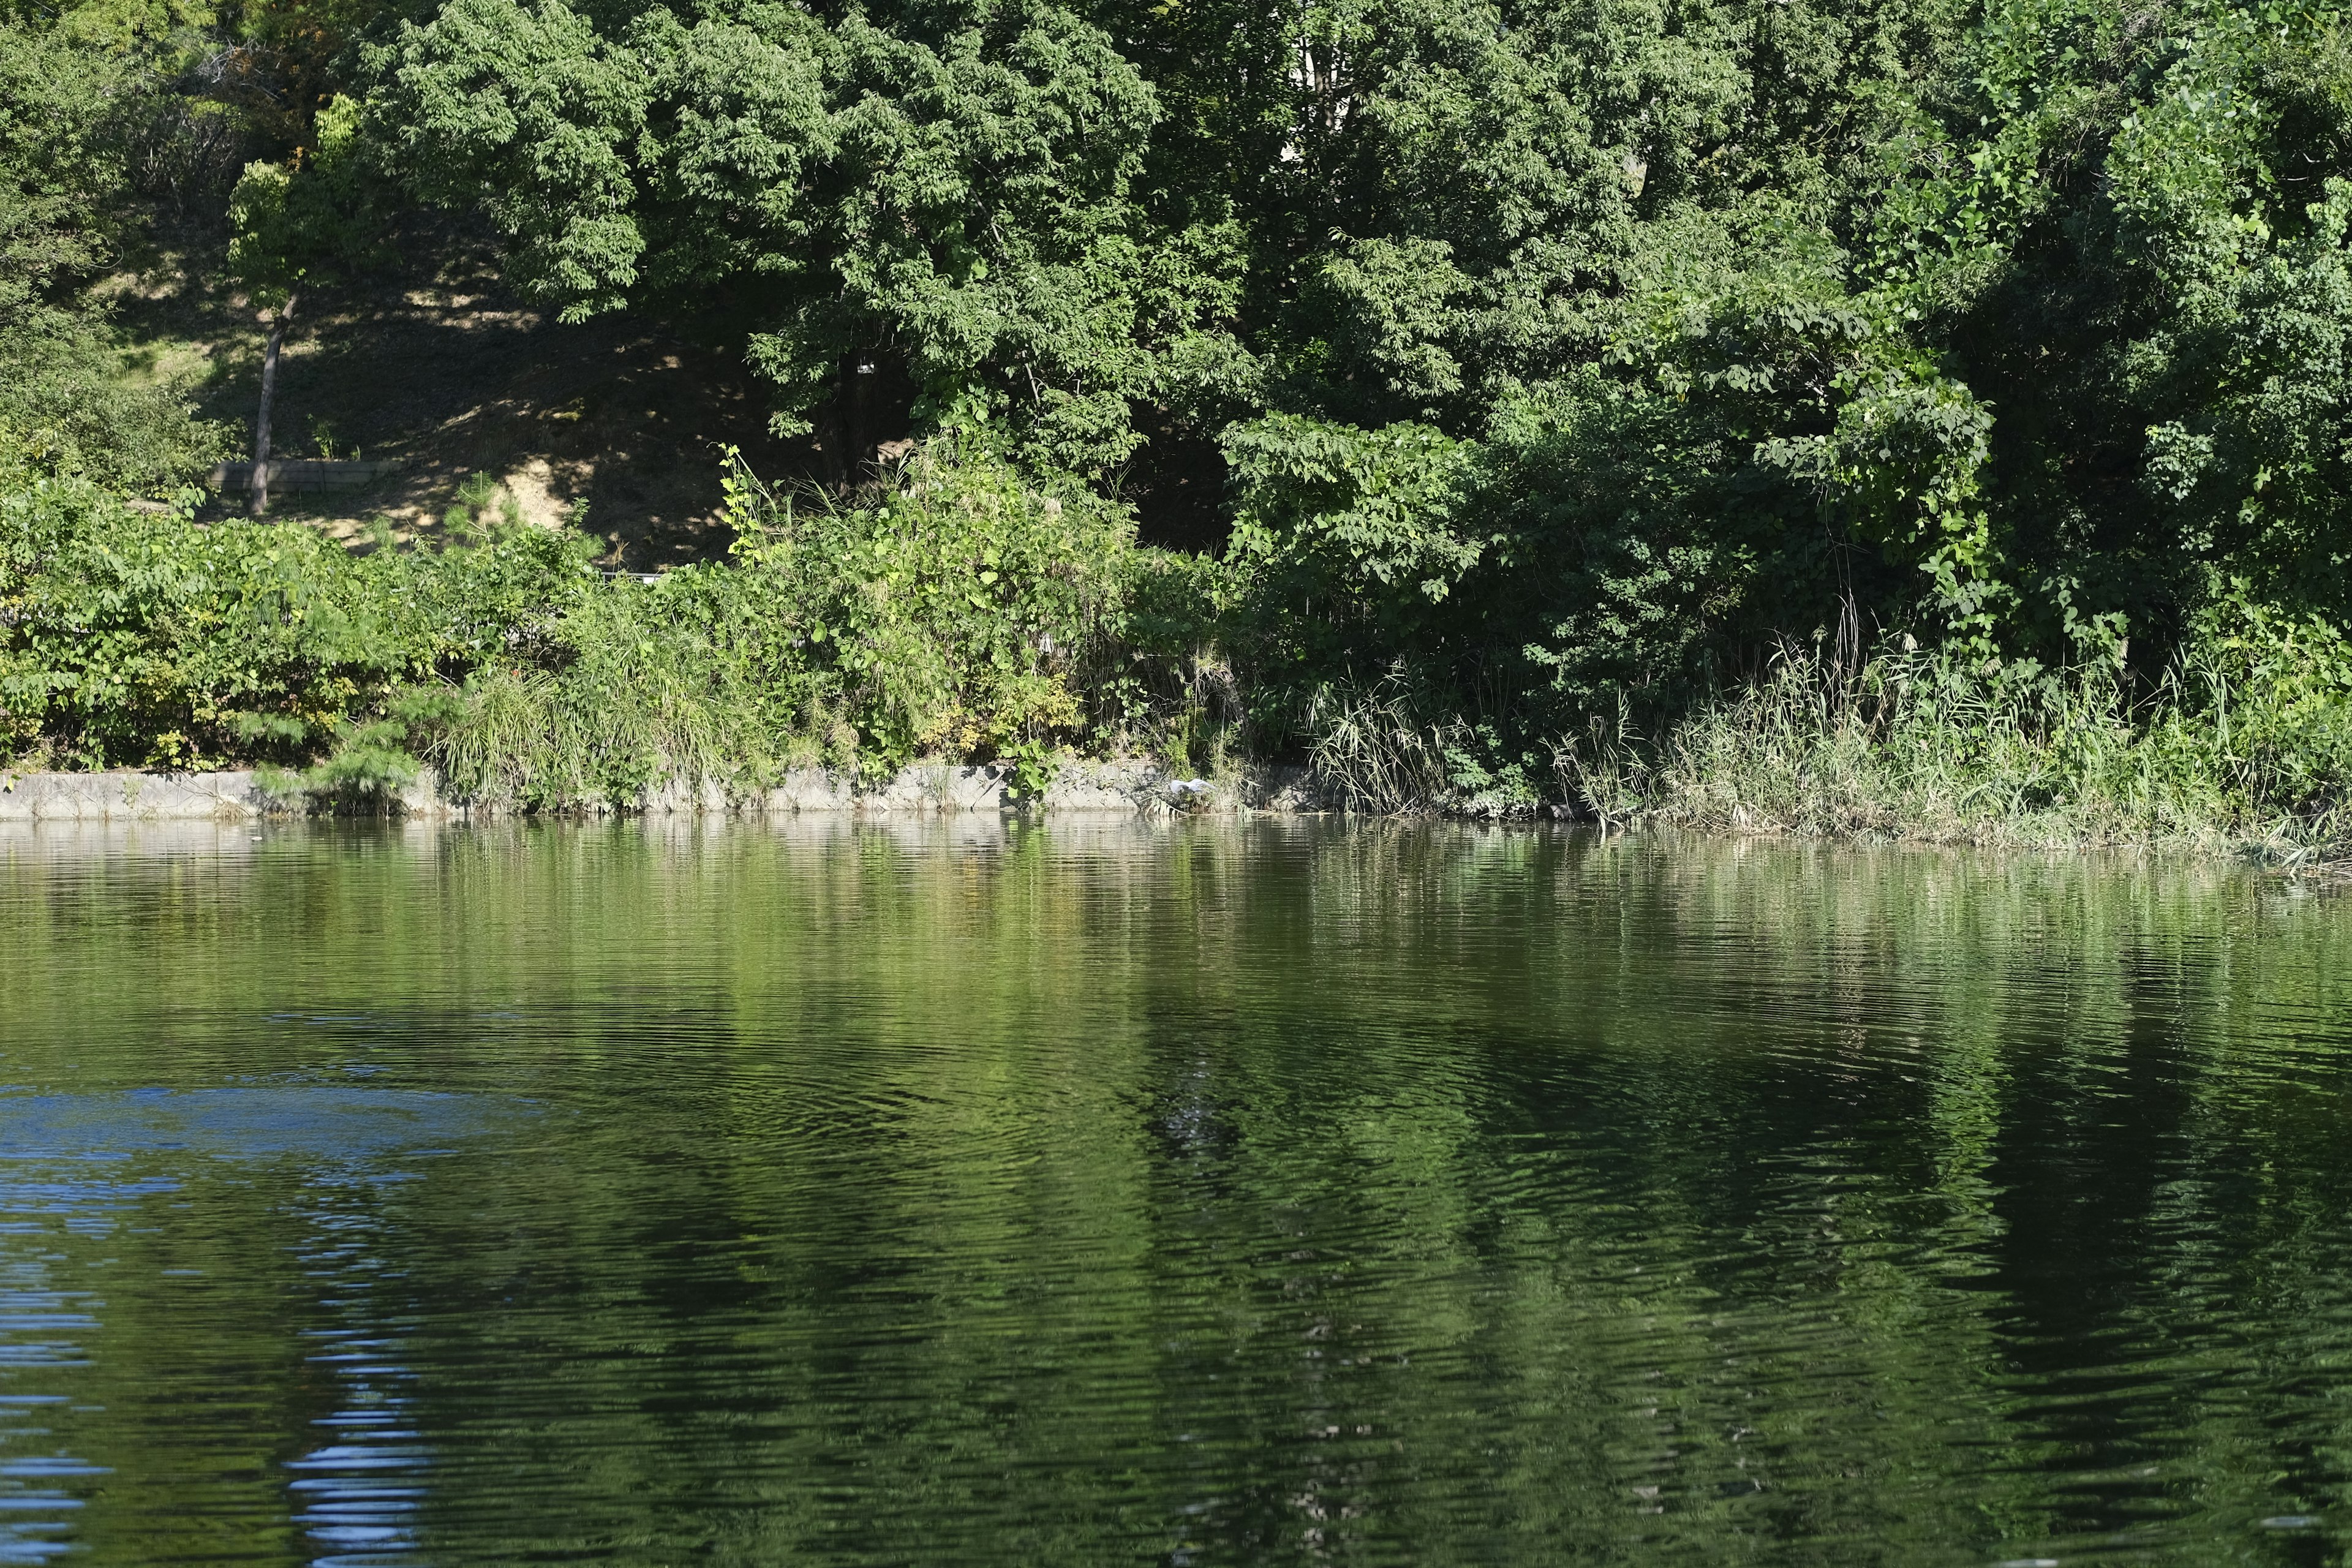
[302, 474]
[132, 797]
[1125, 788]
[1122, 788]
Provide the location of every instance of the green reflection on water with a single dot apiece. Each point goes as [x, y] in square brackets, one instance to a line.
[1083, 1194]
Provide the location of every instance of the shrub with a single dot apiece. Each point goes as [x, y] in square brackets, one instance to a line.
[962, 614]
[144, 639]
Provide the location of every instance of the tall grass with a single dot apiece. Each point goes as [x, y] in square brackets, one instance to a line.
[1378, 748]
[967, 615]
[2239, 745]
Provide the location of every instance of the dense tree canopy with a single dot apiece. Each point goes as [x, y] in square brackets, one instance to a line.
[1620, 331]
[1565, 355]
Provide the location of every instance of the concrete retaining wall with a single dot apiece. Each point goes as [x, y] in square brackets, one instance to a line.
[919, 789]
[302, 474]
[132, 797]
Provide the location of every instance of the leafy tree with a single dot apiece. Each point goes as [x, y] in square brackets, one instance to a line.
[1570, 359]
[951, 194]
[66, 405]
[300, 224]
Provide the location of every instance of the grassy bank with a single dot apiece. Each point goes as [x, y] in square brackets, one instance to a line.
[2242, 745]
[2245, 747]
[966, 614]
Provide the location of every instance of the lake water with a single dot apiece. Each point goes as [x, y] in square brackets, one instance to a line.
[1278, 1192]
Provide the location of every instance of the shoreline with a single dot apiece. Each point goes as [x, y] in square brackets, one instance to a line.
[1082, 788]
[918, 789]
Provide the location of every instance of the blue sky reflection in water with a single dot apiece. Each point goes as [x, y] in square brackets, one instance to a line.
[1278, 1192]
[89, 1159]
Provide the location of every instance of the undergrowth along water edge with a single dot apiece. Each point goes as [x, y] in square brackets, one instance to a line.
[964, 612]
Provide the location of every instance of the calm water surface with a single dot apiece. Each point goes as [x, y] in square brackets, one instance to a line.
[1090, 1195]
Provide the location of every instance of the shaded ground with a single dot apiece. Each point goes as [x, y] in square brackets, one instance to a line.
[449, 377]
[615, 426]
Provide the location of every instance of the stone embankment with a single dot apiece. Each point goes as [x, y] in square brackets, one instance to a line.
[919, 789]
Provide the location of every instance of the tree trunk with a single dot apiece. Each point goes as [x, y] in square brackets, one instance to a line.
[853, 418]
[268, 390]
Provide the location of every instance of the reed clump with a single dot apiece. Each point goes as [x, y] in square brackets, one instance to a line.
[2244, 743]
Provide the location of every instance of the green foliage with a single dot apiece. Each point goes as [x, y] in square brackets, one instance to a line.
[311, 221]
[2132, 256]
[1560, 364]
[1391, 746]
[141, 639]
[2247, 740]
[57, 165]
[963, 614]
[952, 191]
[526, 113]
[1351, 540]
[68, 404]
[1564, 351]
[2013, 337]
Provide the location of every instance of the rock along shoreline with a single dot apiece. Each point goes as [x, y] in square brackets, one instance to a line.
[1132, 788]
